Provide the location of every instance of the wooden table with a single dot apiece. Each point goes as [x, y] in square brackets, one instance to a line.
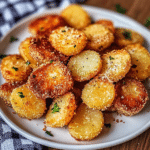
[140, 11]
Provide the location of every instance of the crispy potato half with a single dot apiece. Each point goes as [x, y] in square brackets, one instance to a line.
[41, 51]
[99, 93]
[99, 37]
[24, 52]
[26, 104]
[85, 65]
[45, 24]
[115, 65]
[124, 37]
[15, 69]
[76, 16]
[131, 96]
[107, 23]
[50, 80]
[86, 124]
[68, 41]
[61, 110]
[5, 91]
[140, 60]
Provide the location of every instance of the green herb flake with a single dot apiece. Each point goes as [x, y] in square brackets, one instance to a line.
[124, 82]
[111, 58]
[127, 35]
[21, 94]
[147, 24]
[63, 30]
[16, 69]
[28, 63]
[51, 61]
[74, 46]
[34, 76]
[107, 125]
[120, 9]
[49, 133]
[55, 108]
[2, 56]
[12, 39]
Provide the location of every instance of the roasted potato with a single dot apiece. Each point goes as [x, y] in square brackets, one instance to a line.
[26, 104]
[115, 65]
[124, 37]
[99, 37]
[85, 65]
[61, 111]
[131, 96]
[86, 124]
[50, 80]
[107, 23]
[99, 93]
[45, 24]
[76, 16]
[6, 89]
[140, 60]
[68, 41]
[24, 52]
[15, 69]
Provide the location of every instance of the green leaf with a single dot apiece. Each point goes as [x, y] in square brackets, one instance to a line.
[127, 35]
[21, 94]
[120, 9]
[16, 69]
[34, 76]
[63, 30]
[147, 24]
[55, 108]
[111, 58]
[47, 132]
[74, 46]
[107, 125]
[28, 63]
[2, 56]
[12, 39]
[51, 61]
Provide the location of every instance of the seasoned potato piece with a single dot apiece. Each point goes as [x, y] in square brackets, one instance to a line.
[6, 89]
[45, 24]
[140, 60]
[41, 51]
[99, 93]
[14, 68]
[68, 41]
[131, 96]
[76, 16]
[99, 37]
[86, 124]
[24, 52]
[116, 65]
[50, 80]
[61, 111]
[85, 65]
[124, 37]
[26, 104]
[107, 23]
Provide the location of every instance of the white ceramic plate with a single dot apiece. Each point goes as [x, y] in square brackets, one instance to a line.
[118, 133]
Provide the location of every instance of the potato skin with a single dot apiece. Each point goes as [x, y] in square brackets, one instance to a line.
[26, 104]
[131, 96]
[122, 41]
[86, 124]
[50, 80]
[99, 37]
[76, 16]
[17, 70]
[140, 60]
[99, 93]
[68, 41]
[85, 65]
[67, 106]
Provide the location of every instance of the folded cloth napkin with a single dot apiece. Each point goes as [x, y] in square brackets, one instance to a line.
[12, 11]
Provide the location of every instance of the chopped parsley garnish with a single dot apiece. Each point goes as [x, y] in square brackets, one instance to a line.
[74, 46]
[16, 69]
[21, 94]
[55, 108]
[27, 63]
[34, 76]
[2, 56]
[42, 28]
[107, 125]
[47, 132]
[120, 9]
[124, 82]
[12, 39]
[51, 61]
[111, 58]
[127, 35]
[63, 30]
[134, 66]
[147, 24]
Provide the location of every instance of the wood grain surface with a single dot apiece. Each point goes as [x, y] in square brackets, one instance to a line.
[139, 10]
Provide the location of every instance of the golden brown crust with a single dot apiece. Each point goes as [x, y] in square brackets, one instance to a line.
[131, 96]
[50, 80]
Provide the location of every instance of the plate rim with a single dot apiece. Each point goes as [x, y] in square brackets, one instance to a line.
[70, 146]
